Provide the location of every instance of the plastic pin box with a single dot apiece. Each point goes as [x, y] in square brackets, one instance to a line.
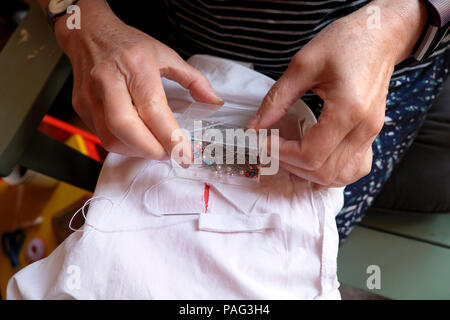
[223, 150]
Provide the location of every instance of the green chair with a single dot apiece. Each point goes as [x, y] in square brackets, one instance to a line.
[33, 70]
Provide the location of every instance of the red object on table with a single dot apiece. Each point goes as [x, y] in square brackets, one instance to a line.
[61, 131]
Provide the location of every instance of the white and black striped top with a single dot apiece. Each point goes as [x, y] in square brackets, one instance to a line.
[266, 33]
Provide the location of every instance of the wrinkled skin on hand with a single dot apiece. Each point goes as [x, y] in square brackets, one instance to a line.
[349, 66]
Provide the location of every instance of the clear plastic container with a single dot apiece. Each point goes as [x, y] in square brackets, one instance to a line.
[212, 128]
[223, 150]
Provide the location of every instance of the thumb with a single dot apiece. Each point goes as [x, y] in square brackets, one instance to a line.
[193, 80]
[292, 85]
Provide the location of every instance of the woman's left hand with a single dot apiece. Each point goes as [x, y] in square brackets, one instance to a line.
[349, 65]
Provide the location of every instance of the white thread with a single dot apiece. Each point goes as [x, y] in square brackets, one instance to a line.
[88, 223]
[113, 204]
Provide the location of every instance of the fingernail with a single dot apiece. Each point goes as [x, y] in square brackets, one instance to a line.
[253, 121]
[185, 161]
[220, 102]
[187, 156]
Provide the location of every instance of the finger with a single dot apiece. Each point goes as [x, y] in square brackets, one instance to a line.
[121, 117]
[320, 187]
[297, 79]
[334, 124]
[341, 114]
[109, 141]
[352, 173]
[355, 150]
[151, 104]
[347, 164]
[83, 112]
[301, 173]
[81, 102]
[317, 177]
[89, 109]
[190, 78]
[346, 167]
[112, 144]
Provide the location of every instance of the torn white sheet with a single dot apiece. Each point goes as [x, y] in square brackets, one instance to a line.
[275, 241]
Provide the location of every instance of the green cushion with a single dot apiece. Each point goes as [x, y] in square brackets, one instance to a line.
[421, 182]
[409, 269]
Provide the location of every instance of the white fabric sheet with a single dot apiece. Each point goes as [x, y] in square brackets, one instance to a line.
[274, 241]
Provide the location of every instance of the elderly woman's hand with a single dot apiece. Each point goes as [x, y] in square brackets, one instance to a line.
[349, 65]
[117, 82]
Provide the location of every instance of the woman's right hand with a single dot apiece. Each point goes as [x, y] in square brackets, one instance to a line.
[117, 89]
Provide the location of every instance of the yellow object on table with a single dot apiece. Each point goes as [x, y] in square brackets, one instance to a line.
[21, 205]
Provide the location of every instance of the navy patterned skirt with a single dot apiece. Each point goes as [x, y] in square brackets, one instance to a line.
[410, 96]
